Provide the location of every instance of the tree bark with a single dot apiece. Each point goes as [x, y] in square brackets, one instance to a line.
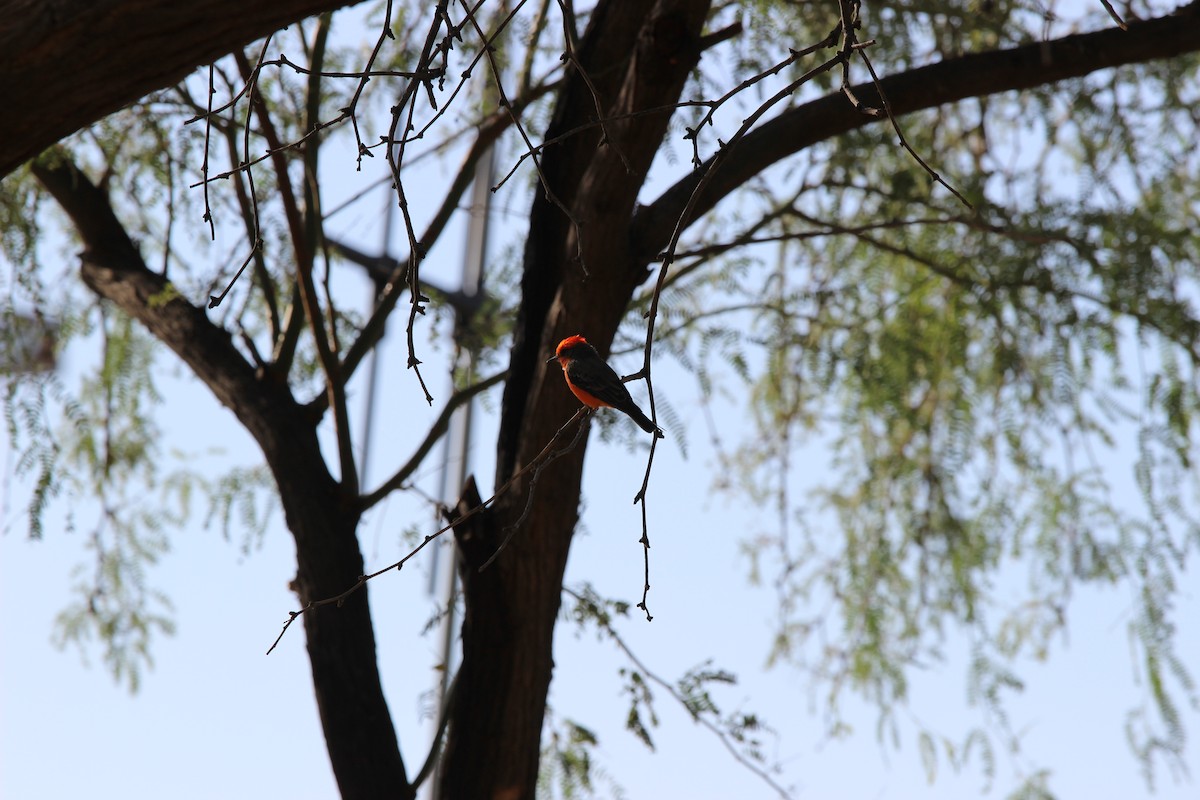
[359, 734]
[511, 607]
[68, 63]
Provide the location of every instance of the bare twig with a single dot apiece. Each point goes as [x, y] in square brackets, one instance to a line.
[347, 112]
[465, 75]
[248, 207]
[640, 497]
[827, 229]
[366, 72]
[405, 108]
[351, 110]
[208, 215]
[389, 294]
[533, 151]
[693, 134]
[645, 541]
[849, 25]
[250, 87]
[887, 107]
[684, 219]
[668, 258]
[569, 57]
[216, 299]
[1112, 12]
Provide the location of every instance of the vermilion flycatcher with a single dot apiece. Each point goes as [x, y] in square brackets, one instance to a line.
[595, 383]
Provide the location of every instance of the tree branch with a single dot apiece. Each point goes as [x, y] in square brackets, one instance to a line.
[949, 81]
[436, 431]
[66, 63]
[302, 238]
[595, 611]
[341, 648]
[114, 269]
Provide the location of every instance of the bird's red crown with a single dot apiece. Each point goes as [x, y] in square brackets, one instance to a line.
[568, 343]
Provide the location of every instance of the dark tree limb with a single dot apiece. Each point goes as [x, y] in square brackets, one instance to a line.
[949, 81]
[113, 268]
[68, 63]
[363, 749]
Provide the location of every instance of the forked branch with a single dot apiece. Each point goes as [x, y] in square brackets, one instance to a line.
[547, 454]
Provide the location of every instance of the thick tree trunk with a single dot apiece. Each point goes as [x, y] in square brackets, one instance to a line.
[638, 56]
[358, 728]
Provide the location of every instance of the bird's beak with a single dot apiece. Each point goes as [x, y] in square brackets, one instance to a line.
[551, 358]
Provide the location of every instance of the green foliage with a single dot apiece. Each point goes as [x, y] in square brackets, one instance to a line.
[115, 607]
[641, 717]
[27, 416]
[568, 769]
[105, 447]
[740, 732]
[100, 449]
[243, 500]
[976, 374]
[35, 403]
[20, 231]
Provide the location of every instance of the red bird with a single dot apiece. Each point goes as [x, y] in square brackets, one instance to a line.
[595, 383]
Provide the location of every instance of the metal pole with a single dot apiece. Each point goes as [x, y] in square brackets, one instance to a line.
[458, 440]
[373, 370]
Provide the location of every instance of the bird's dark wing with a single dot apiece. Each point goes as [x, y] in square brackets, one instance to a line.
[598, 379]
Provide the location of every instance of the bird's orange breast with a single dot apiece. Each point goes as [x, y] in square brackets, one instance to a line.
[585, 397]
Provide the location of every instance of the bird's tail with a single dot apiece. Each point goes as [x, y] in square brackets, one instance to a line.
[644, 423]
